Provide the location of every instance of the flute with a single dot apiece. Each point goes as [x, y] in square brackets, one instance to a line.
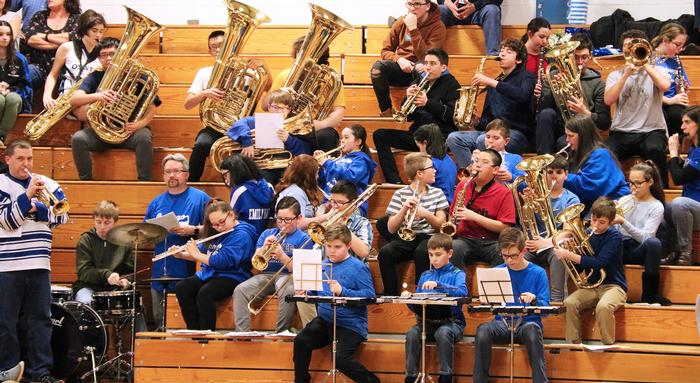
[178, 249]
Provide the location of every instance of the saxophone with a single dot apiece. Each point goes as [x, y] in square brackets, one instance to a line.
[466, 104]
[243, 85]
[45, 120]
[135, 85]
[450, 227]
[316, 86]
[408, 106]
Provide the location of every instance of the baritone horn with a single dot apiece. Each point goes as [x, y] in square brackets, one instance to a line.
[242, 85]
[466, 103]
[566, 83]
[317, 231]
[39, 125]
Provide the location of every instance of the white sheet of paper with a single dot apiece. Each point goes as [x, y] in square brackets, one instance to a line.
[168, 221]
[307, 270]
[494, 283]
[266, 127]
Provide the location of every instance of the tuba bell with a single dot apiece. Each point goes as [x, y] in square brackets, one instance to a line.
[539, 202]
[566, 84]
[316, 86]
[575, 239]
[242, 85]
[135, 85]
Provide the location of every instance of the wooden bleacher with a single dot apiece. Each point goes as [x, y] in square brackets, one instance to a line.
[662, 342]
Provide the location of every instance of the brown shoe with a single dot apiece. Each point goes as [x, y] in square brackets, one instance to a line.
[387, 113]
[685, 259]
[670, 258]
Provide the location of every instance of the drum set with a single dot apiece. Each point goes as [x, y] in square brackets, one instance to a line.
[80, 335]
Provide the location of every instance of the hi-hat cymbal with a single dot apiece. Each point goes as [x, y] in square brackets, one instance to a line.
[136, 233]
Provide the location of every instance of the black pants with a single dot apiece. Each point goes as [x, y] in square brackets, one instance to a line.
[398, 251]
[198, 299]
[327, 139]
[673, 114]
[319, 334]
[384, 140]
[550, 127]
[470, 250]
[650, 145]
[200, 151]
[386, 73]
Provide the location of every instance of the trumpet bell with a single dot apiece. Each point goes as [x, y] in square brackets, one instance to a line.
[407, 234]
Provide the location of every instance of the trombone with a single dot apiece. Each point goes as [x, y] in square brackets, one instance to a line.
[262, 260]
[58, 207]
[317, 231]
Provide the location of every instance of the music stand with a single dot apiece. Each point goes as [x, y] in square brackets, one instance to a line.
[495, 287]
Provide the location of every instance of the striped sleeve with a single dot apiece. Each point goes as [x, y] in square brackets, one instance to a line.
[55, 220]
[13, 213]
[397, 201]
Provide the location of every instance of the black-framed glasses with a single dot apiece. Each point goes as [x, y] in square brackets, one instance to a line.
[415, 5]
[637, 183]
[429, 167]
[285, 220]
[510, 256]
[339, 203]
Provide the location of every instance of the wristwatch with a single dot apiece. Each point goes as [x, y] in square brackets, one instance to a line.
[196, 231]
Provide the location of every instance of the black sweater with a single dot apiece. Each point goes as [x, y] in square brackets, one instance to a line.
[510, 101]
[440, 109]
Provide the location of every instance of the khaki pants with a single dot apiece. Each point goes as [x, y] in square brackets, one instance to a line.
[307, 312]
[606, 298]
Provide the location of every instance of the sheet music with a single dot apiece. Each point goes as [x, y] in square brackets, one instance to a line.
[307, 270]
[168, 221]
[266, 127]
[494, 285]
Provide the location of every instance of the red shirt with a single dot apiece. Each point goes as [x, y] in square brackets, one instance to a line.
[495, 203]
[533, 63]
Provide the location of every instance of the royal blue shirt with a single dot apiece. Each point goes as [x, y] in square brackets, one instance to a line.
[532, 279]
[356, 167]
[445, 176]
[599, 176]
[241, 130]
[292, 241]
[452, 281]
[229, 255]
[692, 189]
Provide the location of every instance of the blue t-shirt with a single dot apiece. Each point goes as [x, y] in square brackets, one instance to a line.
[445, 176]
[188, 207]
[669, 67]
[566, 199]
[451, 280]
[241, 132]
[229, 255]
[532, 279]
[292, 241]
[692, 189]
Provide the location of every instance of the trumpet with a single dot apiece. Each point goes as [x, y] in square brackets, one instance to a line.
[58, 207]
[564, 152]
[177, 249]
[317, 231]
[409, 105]
[405, 232]
[261, 261]
[625, 204]
[320, 156]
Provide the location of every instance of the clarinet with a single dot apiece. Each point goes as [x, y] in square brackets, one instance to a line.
[679, 79]
[540, 76]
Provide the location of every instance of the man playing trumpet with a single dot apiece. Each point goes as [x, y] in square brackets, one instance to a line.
[276, 278]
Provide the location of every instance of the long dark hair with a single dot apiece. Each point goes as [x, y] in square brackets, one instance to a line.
[534, 25]
[693, 113]
[72, 6]
[433, 138]
[588, 141]
[241, 169]
[651, 172]
[359, 132]
[214, 205]
[10, 55]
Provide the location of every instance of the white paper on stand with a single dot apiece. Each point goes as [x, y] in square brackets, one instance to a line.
[168, 221]
[307, 270]
[494, 285]
[266, 127]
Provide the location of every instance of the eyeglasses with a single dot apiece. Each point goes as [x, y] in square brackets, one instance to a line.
[415, 5]
[339, 203]
[221, 222]
[510, 256]
[637, 183]
[285, 220]
[277, 108]
[429, 167]
[173, 172]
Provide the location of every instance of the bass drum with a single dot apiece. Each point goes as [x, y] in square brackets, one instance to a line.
[76, 330]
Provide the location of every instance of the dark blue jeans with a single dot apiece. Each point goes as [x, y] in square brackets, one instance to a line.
[26, 293]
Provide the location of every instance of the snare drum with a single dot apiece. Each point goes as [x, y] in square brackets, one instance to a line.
[77, 329]
[61, 294]
[115, 302]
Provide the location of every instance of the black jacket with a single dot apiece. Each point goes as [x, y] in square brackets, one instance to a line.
[440, 109]
[511, 101]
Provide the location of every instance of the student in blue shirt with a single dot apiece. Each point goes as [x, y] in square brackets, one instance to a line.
[269, 281]
[354, 164]
[347, 276]
[531, 287]
[251, 194]
[430, 140]
[225, 263]
[445, 278]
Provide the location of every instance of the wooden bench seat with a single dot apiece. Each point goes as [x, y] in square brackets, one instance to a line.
[634, 363]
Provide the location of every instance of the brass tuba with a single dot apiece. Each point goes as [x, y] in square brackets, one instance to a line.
[466, 103]
[224, 147]
[243, 86]
[45, 120]
[566, 84]
[135, 85]
[316, 86]
[575, 239]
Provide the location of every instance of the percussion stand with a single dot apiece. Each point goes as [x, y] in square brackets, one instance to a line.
[423, 336]
[511, 324]
[333, 373]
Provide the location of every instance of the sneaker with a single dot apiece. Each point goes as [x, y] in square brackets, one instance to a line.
[387, 113]
[14, 374]
[48, 379]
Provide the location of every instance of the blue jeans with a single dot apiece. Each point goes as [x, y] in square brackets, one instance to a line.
[26, 293]
[37, 77]
[462, 144]
[445, 336]
[529, 333]
[488, 18]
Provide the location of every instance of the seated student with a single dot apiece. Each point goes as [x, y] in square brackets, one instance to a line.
[668, 44]
[408, 41]
[594, 171]
[430, 140]
[251, 195]
[536, 40]
[549, 132]
[225, 263]
[606, 242]
[497, 137]
[638, 127]
[486, 14]
[638, 227]
[280, 101]
[288, 214]
[15, 92]
[86, 140]
[348, 277]
[443, 277]
[354, 164]
[561, 198]
[531, 287]
[300, 181]
[685, 210]
[436, 106]
[429, 204]
[100, 262]
[508, 97]
[488, 208]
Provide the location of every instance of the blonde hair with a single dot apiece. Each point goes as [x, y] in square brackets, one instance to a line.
[415, 162]
[106, 209]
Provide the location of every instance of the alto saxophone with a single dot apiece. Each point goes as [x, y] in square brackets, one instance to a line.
[450, 227]
[409, 105]
[466, 103]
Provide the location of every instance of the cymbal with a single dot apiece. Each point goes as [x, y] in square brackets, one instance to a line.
[163, 279]
[136, 233]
